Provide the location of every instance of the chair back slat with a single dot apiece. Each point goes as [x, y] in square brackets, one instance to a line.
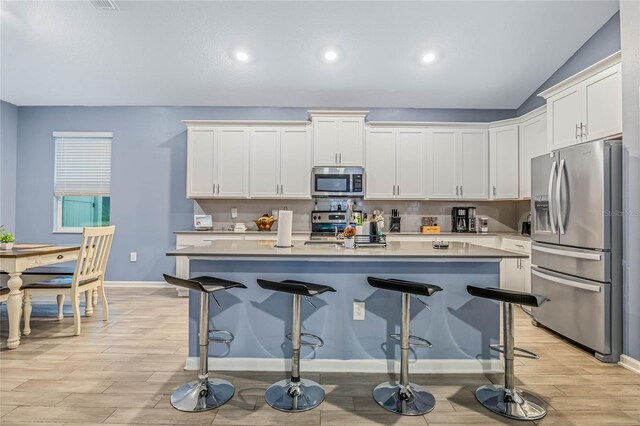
[94, 253]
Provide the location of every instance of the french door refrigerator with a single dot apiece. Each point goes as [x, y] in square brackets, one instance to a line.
[576, 253]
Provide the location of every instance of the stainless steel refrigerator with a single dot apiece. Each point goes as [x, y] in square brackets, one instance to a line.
[576, 254]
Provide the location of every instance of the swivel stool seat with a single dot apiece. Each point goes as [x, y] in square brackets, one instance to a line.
[204, 393]
[296, 394]
[507, 400]
[404, 397]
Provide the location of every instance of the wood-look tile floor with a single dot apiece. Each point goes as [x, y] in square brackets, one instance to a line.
[123, 372]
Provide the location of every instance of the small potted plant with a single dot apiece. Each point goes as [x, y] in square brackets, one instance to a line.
[349, 234]
[6, 239]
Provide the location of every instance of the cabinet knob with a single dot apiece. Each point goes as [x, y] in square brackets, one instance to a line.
[60, 256]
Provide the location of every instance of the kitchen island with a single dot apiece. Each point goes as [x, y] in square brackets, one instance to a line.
[459, 326]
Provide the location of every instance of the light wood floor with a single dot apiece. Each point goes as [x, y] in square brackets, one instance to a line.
[124, 371]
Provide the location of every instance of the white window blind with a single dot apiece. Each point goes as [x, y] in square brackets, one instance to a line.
[83, 163]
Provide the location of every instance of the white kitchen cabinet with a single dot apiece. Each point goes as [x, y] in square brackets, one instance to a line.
[442, 160]
[586, 106]
[395, 164]
[201, 170]
[338, 138]
[515, 274]
[458, 164]
[280, 162]
[533, 143]
[218, 163]
[503, 163]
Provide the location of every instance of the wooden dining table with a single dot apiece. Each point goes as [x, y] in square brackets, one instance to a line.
[20, 258]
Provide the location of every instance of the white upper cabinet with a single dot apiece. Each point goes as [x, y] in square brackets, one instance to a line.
[474, 164]
[380, 179]
[442, 164]
[586, 106]
[265, 163]
[295, 162]
[503, 163]
[201, 170]
[280, 163]
[410, 164]
[233, 162]
[395, 166]
[338, 138]
[533, 143]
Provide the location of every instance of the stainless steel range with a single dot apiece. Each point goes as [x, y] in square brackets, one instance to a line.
[327, 223]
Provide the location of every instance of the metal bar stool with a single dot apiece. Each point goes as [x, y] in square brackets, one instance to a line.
[296, 394]
[204, 393]
[404, 397]
[507, 400]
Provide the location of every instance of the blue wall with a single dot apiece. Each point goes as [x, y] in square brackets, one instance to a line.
[148, 172]
[602, 44]
[8, 161]
[630, 26]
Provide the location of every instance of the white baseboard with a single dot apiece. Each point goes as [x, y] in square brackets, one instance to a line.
[630, 363]
[469, 366]
[137, 284]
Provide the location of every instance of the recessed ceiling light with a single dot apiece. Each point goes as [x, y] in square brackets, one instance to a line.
[330, 55]
[428, 57]
[241, 56]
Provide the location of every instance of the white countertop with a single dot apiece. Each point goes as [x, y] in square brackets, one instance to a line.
[395, 250]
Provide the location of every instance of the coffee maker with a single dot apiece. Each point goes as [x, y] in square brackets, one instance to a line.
[463, 219]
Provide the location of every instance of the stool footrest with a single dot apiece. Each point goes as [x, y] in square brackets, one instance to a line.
[220, 339]
[418, 342]
[517, 352]
[318, 344]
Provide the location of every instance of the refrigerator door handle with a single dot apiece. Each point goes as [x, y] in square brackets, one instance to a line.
[575, 254]
[588, 287]
[550, 196]
[558, 189]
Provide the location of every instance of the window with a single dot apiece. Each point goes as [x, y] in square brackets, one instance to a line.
[82, 184]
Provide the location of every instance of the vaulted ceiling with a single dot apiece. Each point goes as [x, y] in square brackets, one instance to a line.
[488, 54]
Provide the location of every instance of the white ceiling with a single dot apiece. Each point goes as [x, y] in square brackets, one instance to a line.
[490, 54]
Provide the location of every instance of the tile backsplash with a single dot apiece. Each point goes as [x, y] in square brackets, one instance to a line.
[504, 216]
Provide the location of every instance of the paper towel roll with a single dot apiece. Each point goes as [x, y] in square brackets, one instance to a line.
[285, 227]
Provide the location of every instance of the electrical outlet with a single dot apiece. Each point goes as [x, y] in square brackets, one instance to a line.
[358, 311]
[234, 213]
[133, 256]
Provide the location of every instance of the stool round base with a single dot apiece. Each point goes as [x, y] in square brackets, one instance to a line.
[411, 400]
[197, 395]
[294, 397]
[512, 403]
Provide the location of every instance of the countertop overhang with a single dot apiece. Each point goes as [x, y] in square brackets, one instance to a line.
[395, 250]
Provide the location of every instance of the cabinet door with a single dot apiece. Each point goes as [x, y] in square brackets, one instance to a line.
[201, 169]
[295, 163]
[326, 141]
[512, 278]
[503, 148]
[603, 105]
[533, 142]
[265, 163]
[526, 274]
[474, 164]
[442, 160]
[233, 162]
[410, 164]
[380, 179]
[351, 151]
[565, 115]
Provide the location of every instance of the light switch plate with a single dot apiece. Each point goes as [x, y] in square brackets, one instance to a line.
[133, 257]
[358, 311]
[234, 213]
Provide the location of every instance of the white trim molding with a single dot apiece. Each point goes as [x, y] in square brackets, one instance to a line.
[429, 124]
[231, 123]
[337, 113]
[137, 284]
[83, 134]
[421, 366]
[630, 363]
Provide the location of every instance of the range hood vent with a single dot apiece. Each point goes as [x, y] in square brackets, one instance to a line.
[104, 4]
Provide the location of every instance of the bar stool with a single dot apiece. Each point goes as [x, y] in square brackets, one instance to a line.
[507, 400]
[404, 397]
[295, 394]
[204, 393]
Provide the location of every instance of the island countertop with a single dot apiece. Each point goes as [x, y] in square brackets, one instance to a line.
[395, 250]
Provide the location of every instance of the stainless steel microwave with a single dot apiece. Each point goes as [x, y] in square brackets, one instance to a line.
[338, 182]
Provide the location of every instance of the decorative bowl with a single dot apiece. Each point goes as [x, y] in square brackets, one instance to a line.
[265, 223]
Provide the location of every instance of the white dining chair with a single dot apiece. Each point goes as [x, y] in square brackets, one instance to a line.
[88, 277]
[4, 294]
